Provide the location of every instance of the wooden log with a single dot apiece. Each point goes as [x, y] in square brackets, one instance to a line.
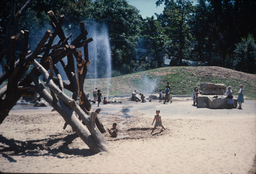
[57, 51]
[95, 120]
[80, 37]
[60, 81]
[97, 136]
[51, 76]
[24, 48]
[86, 56]
[61, 19]
[71, 64]
[49, 46]
[21, 33]
[70, 69]
[28, 91]
[68, 116]
[84, 43]
[57, 25]
[7, 104]
[41, 43]
[22, 8]
[3, 91]
[83, 102]
[7, 70]
[51, 67]
[11, 27]
[12, 53]
[66, 39]
[99, 125]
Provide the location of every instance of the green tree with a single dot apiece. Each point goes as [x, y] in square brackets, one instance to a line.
[245, 55]
[200, 30]
[227, 22]
[153, 34]
[175, 20]
[123, 21]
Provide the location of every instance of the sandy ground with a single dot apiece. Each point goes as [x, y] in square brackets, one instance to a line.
[196, 140]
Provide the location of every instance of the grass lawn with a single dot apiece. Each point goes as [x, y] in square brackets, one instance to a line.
[182, 81]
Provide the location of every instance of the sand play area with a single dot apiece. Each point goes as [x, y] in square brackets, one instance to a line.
[196, 140]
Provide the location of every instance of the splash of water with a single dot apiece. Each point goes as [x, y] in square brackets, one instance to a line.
[99, 53]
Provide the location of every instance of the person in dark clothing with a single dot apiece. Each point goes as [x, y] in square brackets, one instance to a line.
[99, 97]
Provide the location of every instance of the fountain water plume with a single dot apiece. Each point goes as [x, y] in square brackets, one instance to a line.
[99, 54]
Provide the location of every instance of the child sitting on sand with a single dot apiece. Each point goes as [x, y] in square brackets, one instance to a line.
[113, 130]
[158, 121]
[105, 100]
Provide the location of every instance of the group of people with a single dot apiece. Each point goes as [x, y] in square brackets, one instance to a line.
[142, 97]
[230, 100]
[240, 98]
[97, 95]
[157, 119]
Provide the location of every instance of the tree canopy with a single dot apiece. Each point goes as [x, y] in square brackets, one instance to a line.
[209, 31]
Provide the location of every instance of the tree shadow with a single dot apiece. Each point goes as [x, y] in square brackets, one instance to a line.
[54, 146]
[10, 159]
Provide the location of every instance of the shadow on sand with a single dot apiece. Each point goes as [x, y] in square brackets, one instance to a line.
[53, 146]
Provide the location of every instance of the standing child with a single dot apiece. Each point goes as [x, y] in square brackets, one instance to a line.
[160, 95]
[158, 120]
[240, 98]
[167, 94]
[99, 97]
[195, 96]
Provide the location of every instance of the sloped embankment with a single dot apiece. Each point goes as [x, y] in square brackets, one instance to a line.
[182, 80]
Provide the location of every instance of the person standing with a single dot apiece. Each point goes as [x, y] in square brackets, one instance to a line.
[167, 94]
[230, 100]
[240, 98]
[195, 96]
[160, 95]
[158, 120]
[99, 97]
[94, 93]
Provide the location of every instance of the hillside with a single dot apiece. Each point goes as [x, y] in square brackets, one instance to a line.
[182, 80]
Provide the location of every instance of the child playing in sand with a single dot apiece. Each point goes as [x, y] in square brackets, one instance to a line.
[158, 121]
[113, 130]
